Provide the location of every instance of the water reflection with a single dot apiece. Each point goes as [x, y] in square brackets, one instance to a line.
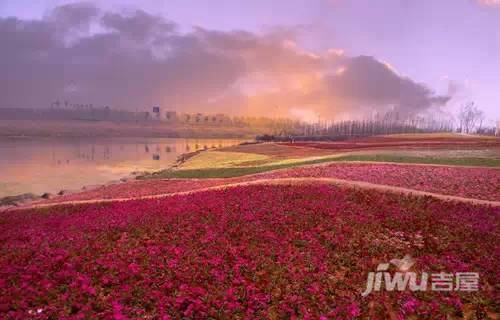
[49, 165]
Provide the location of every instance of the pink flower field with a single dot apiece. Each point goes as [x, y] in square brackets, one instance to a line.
[476, 183]
[139, 188]
[253, 252]
[400, 142]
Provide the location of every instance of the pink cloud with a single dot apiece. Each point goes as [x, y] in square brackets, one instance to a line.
[489, 2]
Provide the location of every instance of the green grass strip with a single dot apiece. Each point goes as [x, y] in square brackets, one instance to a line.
[482, 162]
[237, 172]
[229, 172]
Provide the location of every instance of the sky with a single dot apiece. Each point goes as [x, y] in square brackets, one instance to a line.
[328, 58]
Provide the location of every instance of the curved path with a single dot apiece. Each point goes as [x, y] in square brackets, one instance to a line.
[287, 181]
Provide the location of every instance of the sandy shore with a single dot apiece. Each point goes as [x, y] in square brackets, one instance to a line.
[151, 129]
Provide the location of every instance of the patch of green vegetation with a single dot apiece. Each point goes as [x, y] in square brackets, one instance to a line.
[221, 159]
[206, 173]
[229, 172]
[482, 162]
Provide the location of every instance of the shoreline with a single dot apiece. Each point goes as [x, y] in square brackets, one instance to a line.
[20, 129]
[13, 201]
[25, 198]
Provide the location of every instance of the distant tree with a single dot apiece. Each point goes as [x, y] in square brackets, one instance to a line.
[481, 121]
[469, 115]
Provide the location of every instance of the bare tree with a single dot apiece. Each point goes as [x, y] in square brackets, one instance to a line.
[469, 115]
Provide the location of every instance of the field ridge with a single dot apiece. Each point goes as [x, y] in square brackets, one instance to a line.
[281, 181]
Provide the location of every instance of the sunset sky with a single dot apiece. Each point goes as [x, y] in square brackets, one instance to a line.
[332, 58]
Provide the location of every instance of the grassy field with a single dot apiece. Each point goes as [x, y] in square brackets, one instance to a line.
[214, 159]
[243, 160]
[229, 172]
[482, 162]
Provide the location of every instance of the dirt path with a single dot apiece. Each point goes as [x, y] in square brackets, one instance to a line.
[284, 181]
[361, 184]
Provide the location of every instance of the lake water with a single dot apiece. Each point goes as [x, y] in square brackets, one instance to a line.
[50, 165]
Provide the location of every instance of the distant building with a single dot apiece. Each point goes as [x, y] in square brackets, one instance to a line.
[156, 112]
[171, 116]
[221, 119]
[198, 117]
[143, 115]
[218, 119]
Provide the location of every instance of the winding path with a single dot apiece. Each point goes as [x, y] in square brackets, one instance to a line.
[280, 181]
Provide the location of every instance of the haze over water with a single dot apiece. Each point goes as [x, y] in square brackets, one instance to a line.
[54, 164]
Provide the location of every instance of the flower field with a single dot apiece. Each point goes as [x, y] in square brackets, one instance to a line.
[270, 252]
[477, 183]
[452, 142]
[139, 188]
